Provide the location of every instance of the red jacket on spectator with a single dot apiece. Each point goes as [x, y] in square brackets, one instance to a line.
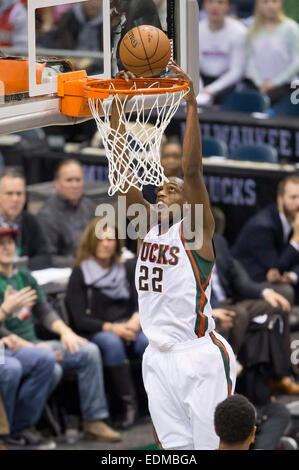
[13, 24]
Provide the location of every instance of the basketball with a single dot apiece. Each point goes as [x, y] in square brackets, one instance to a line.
[145, 51]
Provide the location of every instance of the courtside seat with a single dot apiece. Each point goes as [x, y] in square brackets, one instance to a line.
[247, 101]
[286, 108]
[212, 146]
[256, 153]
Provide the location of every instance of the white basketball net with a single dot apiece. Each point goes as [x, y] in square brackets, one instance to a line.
[134, 156]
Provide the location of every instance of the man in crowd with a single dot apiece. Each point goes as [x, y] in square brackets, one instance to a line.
[22, 305]
[13, 23]
[268, 244]
[236, 300]
[30, 241]
[222, 51]
[66, 214]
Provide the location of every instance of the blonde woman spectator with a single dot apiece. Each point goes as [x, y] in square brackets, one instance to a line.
[273, 50]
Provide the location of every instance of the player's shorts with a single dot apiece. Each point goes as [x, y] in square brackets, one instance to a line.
[184, 386]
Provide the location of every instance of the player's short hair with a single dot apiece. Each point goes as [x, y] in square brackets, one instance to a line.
[234, 419]
[282, 184]
[66, 162]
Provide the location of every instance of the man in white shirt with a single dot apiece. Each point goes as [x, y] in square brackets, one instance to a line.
[222, 51]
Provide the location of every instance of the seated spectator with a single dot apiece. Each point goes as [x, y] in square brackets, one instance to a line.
[236, 299]
[25, 380]
[268, 244]
[13, 24]
[171, 157]
[102, 304]
[65, 215]
[234, 421]
[273, 50]
[22, 306]
[80, 28]
[222, 51]
[31, 241]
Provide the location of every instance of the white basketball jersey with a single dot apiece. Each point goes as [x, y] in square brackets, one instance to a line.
[173, 288]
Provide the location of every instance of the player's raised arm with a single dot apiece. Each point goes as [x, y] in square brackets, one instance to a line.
[133, 195]
[194, 185]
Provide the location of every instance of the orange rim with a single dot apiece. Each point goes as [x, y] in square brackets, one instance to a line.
[96, 88]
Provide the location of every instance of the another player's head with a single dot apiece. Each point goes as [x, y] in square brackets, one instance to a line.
[288, 197]
[68, 181]
[234, 422]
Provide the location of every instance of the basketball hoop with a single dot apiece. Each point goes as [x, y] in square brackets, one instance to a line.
[133, 149]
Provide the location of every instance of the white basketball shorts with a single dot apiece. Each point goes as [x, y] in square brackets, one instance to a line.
[184, 386]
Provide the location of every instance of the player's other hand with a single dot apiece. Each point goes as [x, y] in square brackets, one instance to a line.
[190, 96]
[125, 74]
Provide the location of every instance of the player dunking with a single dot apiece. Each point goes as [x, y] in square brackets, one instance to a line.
[187, 368]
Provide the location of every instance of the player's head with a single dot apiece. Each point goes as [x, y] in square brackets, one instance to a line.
[217, 9]
[99, 241]
[288, 197]
[69, 181]
[234, 422]
[171, 199]
[268, 10]
[12, 193]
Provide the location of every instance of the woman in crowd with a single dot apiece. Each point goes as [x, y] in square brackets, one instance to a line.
[102, 305]
[273, 50]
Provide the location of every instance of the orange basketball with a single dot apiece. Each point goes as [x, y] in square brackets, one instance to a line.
[145, 51]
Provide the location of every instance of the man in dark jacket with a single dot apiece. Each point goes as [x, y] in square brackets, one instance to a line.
[268, 245]
[30, 241]
[237, 298]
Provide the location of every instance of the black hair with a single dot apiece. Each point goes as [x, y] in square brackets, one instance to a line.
[234, 419]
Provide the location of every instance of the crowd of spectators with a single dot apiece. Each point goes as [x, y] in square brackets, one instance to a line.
[254, 284]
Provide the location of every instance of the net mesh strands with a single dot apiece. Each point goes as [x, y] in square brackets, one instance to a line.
[133, 148]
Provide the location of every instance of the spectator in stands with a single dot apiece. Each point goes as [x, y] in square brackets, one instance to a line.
[22, 306]
[80, 28]
[268, 244]
[273, 50]
[25, 379]
[236, 300]
[234, 421]
[102, 305]
[31, 241]
[13, 24]
[222, 51]
[171, 157]
[65, 215]
[232, 288]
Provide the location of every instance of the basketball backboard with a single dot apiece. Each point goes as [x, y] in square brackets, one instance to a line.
[28, 85]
